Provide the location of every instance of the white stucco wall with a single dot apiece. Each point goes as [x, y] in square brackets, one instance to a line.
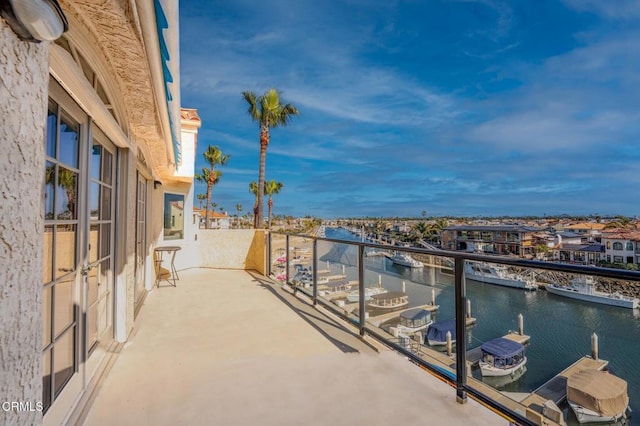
[23, 103]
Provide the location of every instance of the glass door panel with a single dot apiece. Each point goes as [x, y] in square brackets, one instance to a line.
[141, 237]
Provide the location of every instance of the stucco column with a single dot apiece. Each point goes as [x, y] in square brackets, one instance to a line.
[23, 103]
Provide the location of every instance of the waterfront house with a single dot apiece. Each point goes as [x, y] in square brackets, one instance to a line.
[591, 230]
[516, 240]
[622, 247]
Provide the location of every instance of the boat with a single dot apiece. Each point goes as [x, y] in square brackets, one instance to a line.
[502, 357]
[406, 260]
[437, 332]
[334, 287]
[498, 275]
[584, 288]
[354, 296]
[597, 397]
[389, 300]
[414, 320]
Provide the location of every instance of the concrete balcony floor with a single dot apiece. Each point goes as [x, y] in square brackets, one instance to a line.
[228, 347]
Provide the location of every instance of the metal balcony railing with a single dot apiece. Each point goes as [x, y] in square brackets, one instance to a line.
[457, 260]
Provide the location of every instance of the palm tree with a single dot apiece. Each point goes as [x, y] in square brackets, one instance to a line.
[271, 188]
[269, 113]
[239, 209]
[201, 198]
[435, 229]
[253, 188]
[67, 181]
[420, 229]
[210, 176]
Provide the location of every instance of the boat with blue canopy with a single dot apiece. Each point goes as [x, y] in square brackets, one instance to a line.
[437, 332]
[502, 357]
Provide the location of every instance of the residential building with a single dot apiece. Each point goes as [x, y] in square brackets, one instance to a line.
[491, 239]
[622, 247]
[591, 230]
[97, 171]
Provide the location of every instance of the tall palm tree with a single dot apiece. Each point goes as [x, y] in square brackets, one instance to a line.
[269, 113]
[210, 175]
[270, 189]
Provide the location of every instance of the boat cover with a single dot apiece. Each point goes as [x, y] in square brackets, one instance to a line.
[414, 314]
[599, 391]
[438, 330]
[502, 348]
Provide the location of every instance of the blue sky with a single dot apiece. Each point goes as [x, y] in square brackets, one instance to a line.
[471, 107]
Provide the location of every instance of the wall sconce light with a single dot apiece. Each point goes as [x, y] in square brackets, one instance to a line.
[156, 184]
[34, 20]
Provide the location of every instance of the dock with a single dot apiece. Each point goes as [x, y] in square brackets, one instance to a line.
[556, 388]
[379, 319]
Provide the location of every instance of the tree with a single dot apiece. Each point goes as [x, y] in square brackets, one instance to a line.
[210, 176]
[238, 209]
[421, 229]
[270, 189]
[253, 188]
[269, 113]
[67, 180]
[201, 198]
[620, 222]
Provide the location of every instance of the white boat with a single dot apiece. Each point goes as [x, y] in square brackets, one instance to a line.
[498, 275]
[414, 320]
[502, 357]
[406, 260]
[335, 287]
[584, 288]
[597, 397]
[389, 300]
[354, 296]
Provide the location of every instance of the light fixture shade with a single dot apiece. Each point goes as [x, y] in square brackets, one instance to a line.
[39, 19]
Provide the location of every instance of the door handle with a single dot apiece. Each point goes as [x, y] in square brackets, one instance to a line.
[86, 269]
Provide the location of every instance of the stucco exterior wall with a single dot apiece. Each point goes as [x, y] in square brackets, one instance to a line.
[23, 103]
[222, 248]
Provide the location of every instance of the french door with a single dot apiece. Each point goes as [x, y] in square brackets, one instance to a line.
[79, 175]
[99, 276]
[141, 239]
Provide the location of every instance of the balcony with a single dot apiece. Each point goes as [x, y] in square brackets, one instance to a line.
[240, 348]
[231, 347]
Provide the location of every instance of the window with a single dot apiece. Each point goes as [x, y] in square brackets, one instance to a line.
[608, 245]
[617, 259]
[629, 246]
[617, 245]
[173, 216]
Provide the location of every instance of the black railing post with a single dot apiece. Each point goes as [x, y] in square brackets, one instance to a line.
[461, 332]
[314, 272]
[269, 259]
[361, 298]
[286, 272]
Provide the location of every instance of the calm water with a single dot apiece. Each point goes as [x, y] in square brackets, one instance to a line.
[560, 328]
